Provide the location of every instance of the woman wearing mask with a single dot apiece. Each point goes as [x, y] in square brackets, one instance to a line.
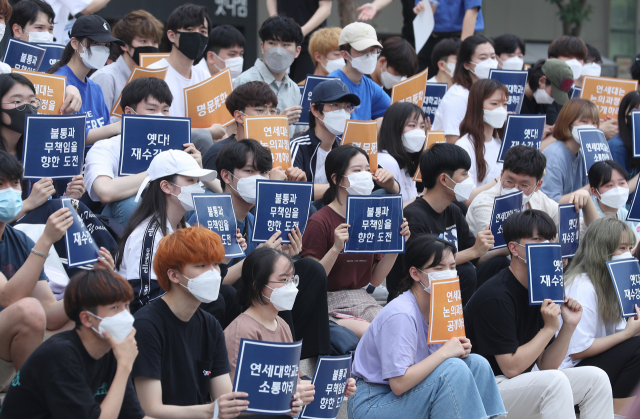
[602, 338]
[475, 59]
[347, 169]
[410, 378]
[621, 145]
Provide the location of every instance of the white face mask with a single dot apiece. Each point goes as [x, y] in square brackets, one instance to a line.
[205, 286]
[98, 57]
[40, 37]
[414, 140]
[333, 65]
[446, 274]
[574, 131]
[235, 64]
[513, 63]
[360, 183]
[452, 68]
[3, 27]
[525, 197]
[185, 195]
[615, 197]
[388, 79]
[625, 255]
[524, 260]
[247, 188]
[365, 64]
[283, 298]
[576, 67]
[591, 69]
[462, 189]
[118, 326]
[542, 97]
[335, 121]
[482, 68]
[495, 117]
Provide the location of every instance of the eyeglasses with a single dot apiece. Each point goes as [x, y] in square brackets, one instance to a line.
[261, 110]
[339, 107]
[295, 279]
[34, 104]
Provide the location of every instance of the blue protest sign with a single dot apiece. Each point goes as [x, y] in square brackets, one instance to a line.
[330, 380]
[268, 372]
[635, 119]
[281, 206]
[305, 91]
[576, 92]
[142, 137]
[81, 249]
[569, 234]
[625, 275]
[515, 80]
[51, 56]
[374, 224]
[545, 271]
[503, 207]
[594, 147]
[522, 130]
[634, 210]
[432, 97]
[23, 55]
[53, 146]
[216, 213]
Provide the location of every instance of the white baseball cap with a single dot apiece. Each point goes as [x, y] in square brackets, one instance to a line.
[359, 35]
[174, 162]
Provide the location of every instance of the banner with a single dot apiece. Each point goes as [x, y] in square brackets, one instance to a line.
[281, 206]
[635, 129]
[433, 137]
[330, 381]
[410, 90]
[50, 89]
[606, 93]
[306, 90]
[23, 55]
[53, 146]
[268, 372]
[594, 147]
[363, 134]
[136, 73]
[216, 213]
[374, 224]
[569, 234]
[503, 207]
[81, 249]
[205, 101]
[446, 319]
[144, 136]
[53, 53]
[625, 275]
[432, 98]
[149, 58]
[272, 131]
[516, 81]
[545, 272]
[522, 130]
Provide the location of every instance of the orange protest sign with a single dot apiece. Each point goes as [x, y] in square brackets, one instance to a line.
[364, 135]
[446, 320]
[50, 89]
[205, 101]
[138, 72]
[526, 67]
[410, 90]
[606, 93]
[433, 137]
[152, 57]
[272, 131]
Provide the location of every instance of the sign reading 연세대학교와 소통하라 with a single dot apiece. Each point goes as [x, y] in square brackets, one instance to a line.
[503, 207]
[516, 81]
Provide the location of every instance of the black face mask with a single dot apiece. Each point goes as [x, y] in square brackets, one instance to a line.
[142, 50]
[192, 44]
[18, 117]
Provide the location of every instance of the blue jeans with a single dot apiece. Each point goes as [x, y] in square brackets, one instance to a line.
[121, 210]
[457, 388]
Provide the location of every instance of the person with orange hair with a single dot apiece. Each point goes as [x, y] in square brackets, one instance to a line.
[183, 365]
[325, 51]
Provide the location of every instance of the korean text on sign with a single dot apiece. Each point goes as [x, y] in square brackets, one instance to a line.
[432, 98]
[515, 80]
[625, 275]
[136, 73]
[569, 234]
[545, 273]
[81, 249]
[374, 224]
[433, 137]
[272, 132]
[503, 207]
[51, 56]
[364, 135]
[524, 130]
[205, 101]
[446, 319]
[23, 55]
[594, 147]
[606, 93]
[50, 89]
[216, 213]
[330, 381]
[410, 90]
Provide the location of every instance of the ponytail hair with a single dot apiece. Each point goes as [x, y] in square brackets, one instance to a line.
[67, 55]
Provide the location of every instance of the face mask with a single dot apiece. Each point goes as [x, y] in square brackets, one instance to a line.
[482, 68]
[185, 195]
[333, 65]
[576, 67]
[625, 255]
[361, 183]
[234, 64]
[542, 97]
[414, 140]
[524, 260]
[278, 59]
[513, 63]
[462, 189]
[247, 188]
[10, 204]
[283, 298]
[18, 117]
[591, 69]
[118, 326]
[192, 44]
[365, 64]
[574, 131]
[95, 57]
[451, 67]
[446, 274]
[495, 117]
[388, 79]
[615, 198]
[142, 50]
[3, 27]
[40, 37]
[526, 198]
[205, 286]
[336, 121]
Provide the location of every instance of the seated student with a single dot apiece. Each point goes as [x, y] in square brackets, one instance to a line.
[83, 372]
[549, 83]
[509, 51]
[514, 336]
[5, 15]
[32, 21]
[475, 58]
[397, 61]
[621, 145]
[444, 59]
[280, 40]
[324, 50]
[141, 33]
[603, 338]
[413, 379]
[224, 50]
[610, 191]
[177, 341]
[347, 169]
[592, 65]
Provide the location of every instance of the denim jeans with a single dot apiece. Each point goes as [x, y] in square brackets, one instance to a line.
[457, 388]
[121, 210]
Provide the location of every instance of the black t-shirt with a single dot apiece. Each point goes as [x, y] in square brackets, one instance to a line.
[553, 111]
[531, 107]
[184, 356]
[61, 380]
[300, 11]
[449, 225]
[209, 158]
[498, 318]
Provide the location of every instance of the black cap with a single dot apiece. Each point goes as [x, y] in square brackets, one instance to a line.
[95, 28]
[333, 91]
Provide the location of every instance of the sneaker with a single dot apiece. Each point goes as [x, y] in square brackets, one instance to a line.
[380, 293]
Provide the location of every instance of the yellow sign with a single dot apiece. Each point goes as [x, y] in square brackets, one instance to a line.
[272, 131]
[410, 90]
[205, 101]
[137, 73]
[446, 319]
[363, 134]
[433, 137]
[50, 89]
[606, 93]
[152, 57]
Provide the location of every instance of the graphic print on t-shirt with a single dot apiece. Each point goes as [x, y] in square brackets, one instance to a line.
[450, 235]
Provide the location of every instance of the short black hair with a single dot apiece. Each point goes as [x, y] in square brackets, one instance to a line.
[258, 266]
[253, 93]
[600, 172]
[140, 89]
[535, 73]
[568, 46]
[507, 44]
[187, 15]
[442, 158]
[10, 167]
[443, 49]
[593, 54]
[522, 225]
[525, 160]
[400, 55]
[235, 154]
[26, 12]
[225, 36]
[281, 28]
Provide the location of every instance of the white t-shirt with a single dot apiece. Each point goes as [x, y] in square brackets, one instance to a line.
[62, 9]
[452, 110]
[177, 84]
[405, 180]
[102, 160]
[320, 175]
[491, 152]
[432, 80]
[202, 65]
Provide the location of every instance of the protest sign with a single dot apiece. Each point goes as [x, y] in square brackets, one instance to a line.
[281, 206]
[330, 381]
[594, 147]
[625, 275]
[432, 98]
[634, 210]
[363, 134]
[576, 92]
[81, 249]
[205, 101]
[545, 273]
[149, 58]
[522, 130]
[216, 213]
[569, 234]
[515, 80]
[53, 146]
[446, 320]
[272, 131]
[268, 372]
[144, 136]
[305, 101]
[503, 207]
[50, 89]
[23, 55]
[433, 137]
[53, 53]
[606, 93]
[410, 90]
[635, 130]
[374, 224]
[136, 73]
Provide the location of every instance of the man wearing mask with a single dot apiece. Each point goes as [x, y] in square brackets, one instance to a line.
[32, 21]
[225, 50]
[325, 52]
[398, 60]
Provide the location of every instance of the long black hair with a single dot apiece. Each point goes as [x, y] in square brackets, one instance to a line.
[630, 101]
[461, 75]
[68, 52]
[7, 81]
[337, 163]
[390, 138]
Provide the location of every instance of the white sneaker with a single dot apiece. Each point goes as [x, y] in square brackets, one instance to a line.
[380, 293]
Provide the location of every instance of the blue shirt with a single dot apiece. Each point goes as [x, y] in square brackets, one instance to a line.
[565, 172]
[450, 14]
[620, 155]
[373, 100]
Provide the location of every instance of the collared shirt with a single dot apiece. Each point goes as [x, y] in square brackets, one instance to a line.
[621, 214]
[112, 79]
[565, 172]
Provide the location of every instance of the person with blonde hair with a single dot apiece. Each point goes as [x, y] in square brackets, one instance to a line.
[325, 51]
[602, 338]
